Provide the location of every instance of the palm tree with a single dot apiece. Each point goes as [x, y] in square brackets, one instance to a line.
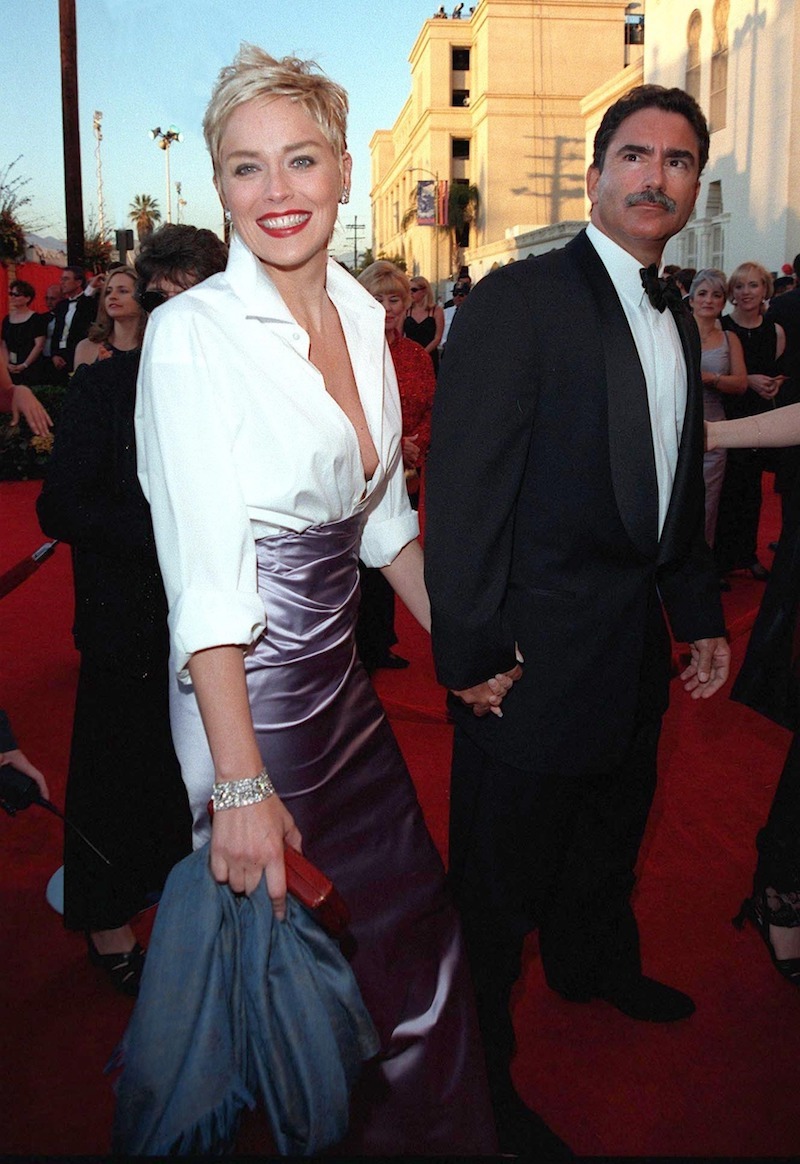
[144, 213]
[463, 205]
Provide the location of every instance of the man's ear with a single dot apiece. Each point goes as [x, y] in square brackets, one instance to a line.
[592, 178]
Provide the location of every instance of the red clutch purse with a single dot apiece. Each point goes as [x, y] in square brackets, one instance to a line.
[316, 892]
[309, 885]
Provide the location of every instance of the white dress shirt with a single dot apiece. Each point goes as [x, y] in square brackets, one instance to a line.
[655, 335]
[238, 439]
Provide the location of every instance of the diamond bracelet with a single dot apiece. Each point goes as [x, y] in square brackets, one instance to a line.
[239, 793]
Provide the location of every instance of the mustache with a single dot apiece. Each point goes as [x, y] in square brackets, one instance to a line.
[655, 197]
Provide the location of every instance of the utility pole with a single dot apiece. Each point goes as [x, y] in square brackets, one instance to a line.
[73, 190]
[358, 231]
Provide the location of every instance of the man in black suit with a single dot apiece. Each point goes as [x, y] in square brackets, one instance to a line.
[74, 315]
[564, 517]
[785, 310]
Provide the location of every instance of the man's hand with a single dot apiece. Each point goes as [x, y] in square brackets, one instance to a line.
[487, 697]
[708, 670]
[59, 362]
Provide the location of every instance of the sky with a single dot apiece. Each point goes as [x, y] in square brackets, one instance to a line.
[148, 63]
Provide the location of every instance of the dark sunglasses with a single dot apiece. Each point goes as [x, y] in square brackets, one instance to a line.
[150, 300]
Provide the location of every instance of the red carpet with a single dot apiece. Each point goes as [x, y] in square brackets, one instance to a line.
[718, 1085]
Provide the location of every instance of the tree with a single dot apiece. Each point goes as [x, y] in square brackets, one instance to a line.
[463, 205]
[97, 247]
[12, 201]
[144, 213]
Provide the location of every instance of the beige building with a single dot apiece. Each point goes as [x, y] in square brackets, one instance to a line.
[496, 103]
[741, 60]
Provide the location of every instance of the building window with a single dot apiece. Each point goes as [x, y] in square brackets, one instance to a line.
[692, 80]
[718, 246]
[717, 118]
[460, 98]
[714, 200]
[460, 60]
[460, 148]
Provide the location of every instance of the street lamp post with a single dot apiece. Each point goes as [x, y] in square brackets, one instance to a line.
[164, 139]
[430, 173]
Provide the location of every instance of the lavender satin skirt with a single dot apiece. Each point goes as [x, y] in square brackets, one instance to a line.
[333, 759]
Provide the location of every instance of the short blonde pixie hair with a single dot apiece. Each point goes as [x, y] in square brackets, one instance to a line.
[256, 76]
[743, 271]
[384, 278]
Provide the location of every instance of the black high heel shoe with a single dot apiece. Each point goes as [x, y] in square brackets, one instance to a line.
[756, 571]
[756, 910]
[123, 970]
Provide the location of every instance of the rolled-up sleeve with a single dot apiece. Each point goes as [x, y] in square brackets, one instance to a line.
[185, 429]
[391, 523]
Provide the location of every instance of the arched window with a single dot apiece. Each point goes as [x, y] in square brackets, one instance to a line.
[692, 82]
[717, 112]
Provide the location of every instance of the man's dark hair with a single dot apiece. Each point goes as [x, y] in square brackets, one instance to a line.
[796, 265]
[652, 97]
[782, 284]
[183, 254]
[685, 277]
[77, 273]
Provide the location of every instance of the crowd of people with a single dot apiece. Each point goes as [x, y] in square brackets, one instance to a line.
[238, 468]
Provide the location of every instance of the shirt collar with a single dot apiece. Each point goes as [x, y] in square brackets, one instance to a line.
[623, 268]
[254, 287]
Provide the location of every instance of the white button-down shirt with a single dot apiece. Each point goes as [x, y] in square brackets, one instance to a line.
[238, 439]
[657, 341]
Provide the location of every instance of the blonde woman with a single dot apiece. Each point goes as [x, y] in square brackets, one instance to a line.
[269, 438]
[119, 326]
[763, 343]
[424, 322]
[723, 373]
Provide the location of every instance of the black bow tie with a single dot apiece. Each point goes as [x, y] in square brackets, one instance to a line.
[660, 293]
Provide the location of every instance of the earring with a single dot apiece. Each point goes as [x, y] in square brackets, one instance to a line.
[345, 198]
[227, 215]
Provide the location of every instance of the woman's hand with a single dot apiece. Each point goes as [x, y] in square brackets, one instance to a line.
[766, 386]
[21, 762]
[709, 431]
[248, 842]
[24, 401]
[411, 452]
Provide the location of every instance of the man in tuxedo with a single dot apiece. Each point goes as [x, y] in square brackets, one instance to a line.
[564, 518]
[74, 315]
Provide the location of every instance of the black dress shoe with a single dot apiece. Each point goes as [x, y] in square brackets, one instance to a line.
[643, 998]
[521, 1132]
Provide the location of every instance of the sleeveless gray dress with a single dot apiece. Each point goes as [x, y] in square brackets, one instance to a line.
[718, 362]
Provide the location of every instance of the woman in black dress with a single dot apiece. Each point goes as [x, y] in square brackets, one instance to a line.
[763, 342]
[424, 322]
[124, 789]
[768, 682]
[23, 335]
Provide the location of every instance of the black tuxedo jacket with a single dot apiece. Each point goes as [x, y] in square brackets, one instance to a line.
[542, 516]
[85, 312]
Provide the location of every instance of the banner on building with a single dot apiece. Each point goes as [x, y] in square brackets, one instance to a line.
[426, 203]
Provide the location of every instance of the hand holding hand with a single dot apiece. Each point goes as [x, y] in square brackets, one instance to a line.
[486, 697]
[708, 669]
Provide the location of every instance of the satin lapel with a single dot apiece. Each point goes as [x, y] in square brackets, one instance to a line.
[689, 448]
[630, 438]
